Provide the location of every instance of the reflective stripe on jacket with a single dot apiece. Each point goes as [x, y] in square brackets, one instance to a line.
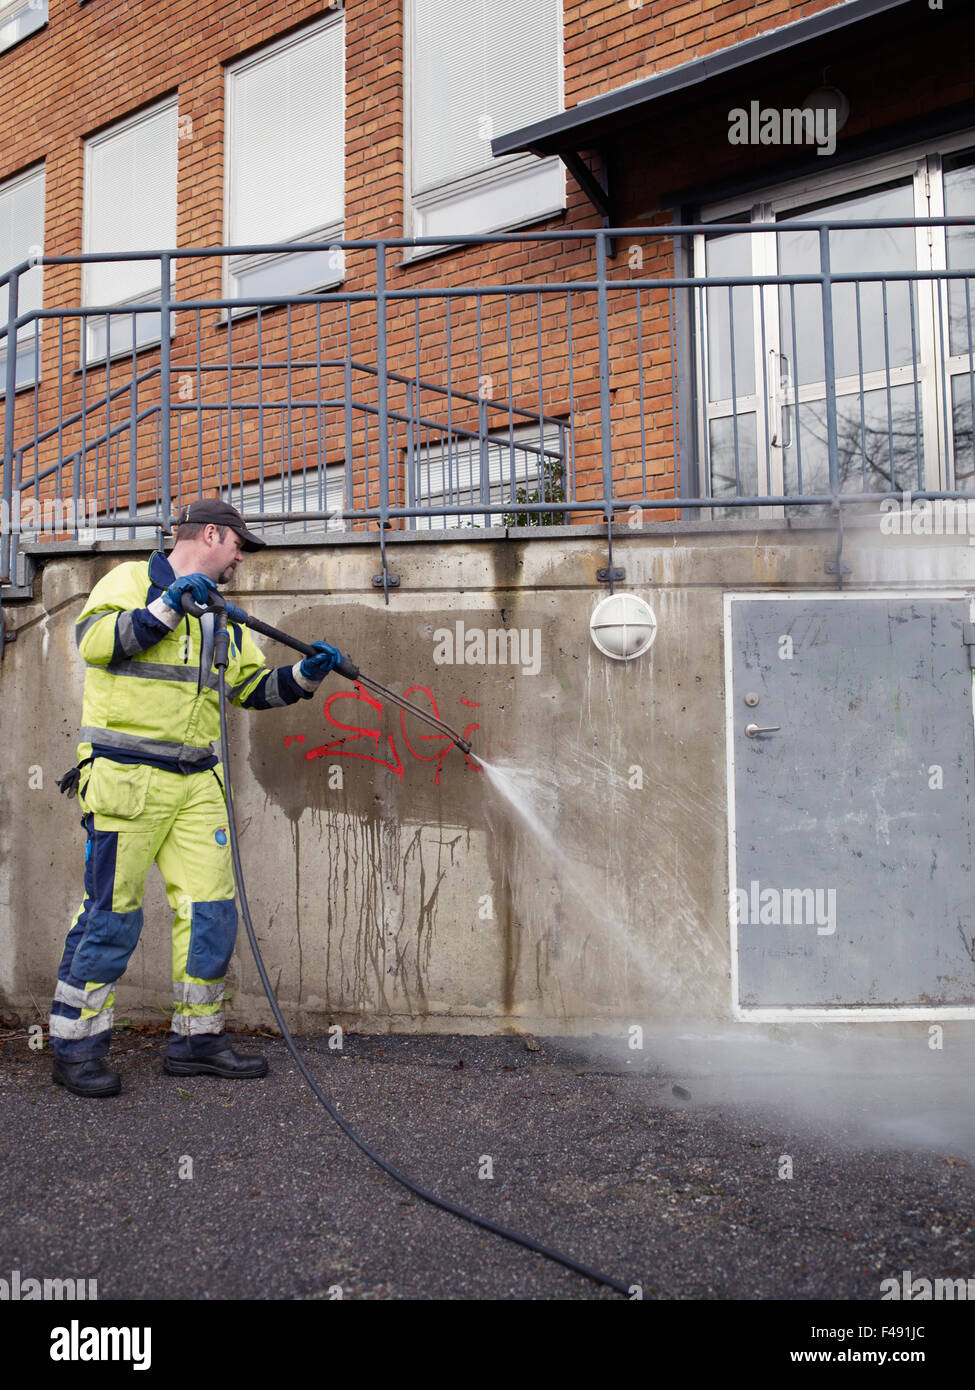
[150, 686]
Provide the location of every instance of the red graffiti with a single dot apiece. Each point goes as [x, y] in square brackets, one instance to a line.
[357, 732]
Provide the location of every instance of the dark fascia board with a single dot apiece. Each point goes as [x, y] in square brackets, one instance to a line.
[894, 137]
[583, 126]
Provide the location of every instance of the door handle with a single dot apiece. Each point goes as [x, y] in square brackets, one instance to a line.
[753, 730]
[780, 384]
[774, 414]
[785, 419]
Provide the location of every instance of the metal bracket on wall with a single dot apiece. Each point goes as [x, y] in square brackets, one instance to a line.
[837, 566]
[609, 574]
[595, 187]
[385, 581]
[5, 636]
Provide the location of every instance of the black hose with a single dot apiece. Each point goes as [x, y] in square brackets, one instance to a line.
[488, 1225]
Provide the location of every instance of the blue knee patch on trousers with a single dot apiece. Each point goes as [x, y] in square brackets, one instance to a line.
[213, 932]
[108, 941]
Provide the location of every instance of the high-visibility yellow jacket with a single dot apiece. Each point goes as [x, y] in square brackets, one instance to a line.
[151, 686]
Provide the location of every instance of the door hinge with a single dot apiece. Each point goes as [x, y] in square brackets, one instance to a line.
[968, 637]
[5, 635]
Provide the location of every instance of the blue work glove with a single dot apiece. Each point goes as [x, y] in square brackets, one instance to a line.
[315, 668]
[199, 585]
[234, 614]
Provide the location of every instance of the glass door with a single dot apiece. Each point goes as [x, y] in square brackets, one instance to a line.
[740, 422]
[882, 348]
[956, 318]
[903, 347]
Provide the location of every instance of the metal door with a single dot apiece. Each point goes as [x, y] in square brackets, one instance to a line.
[851, 764]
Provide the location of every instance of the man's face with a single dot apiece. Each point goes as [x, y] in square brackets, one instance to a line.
[225, 555]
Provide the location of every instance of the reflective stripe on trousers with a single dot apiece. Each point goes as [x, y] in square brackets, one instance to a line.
[179, 822]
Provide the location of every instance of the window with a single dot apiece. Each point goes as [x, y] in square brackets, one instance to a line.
[18, 18]
[130, 205]
[298, 492]
[904, 385]
[21, 236]
[448, 474]
[478, 70]
[286, 161]
[122, 533]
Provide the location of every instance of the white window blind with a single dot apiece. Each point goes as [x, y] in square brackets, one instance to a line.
[286, 164]
[448, 473]
[130, 205]
[479, 69]
[305, 490]
[286, 158]
[21, 235]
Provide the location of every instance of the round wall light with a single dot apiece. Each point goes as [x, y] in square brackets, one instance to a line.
[623, 626]
[829, 98]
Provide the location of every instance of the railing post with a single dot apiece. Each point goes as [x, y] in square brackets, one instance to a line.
[14, 557]
[13, 300]
[77, 487]
[349, 503]
[829, 363]
[381, 382]
[484, 462]
[133, 445]
[165, 470]
[604, 405]
[412, 461]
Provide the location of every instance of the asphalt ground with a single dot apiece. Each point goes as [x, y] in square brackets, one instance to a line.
[659, 1174]
[683, 1170]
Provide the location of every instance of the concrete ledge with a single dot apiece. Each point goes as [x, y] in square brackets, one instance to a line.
[40, 550]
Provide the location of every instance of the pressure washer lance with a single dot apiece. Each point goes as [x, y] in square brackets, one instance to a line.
[217, 606]
[350, 671]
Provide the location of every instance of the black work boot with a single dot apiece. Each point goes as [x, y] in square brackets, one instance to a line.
[91, 1078]
[233, 1066]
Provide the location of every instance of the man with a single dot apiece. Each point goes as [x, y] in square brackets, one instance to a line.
[151, 789]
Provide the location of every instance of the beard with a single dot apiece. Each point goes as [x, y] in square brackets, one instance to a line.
[225, 576]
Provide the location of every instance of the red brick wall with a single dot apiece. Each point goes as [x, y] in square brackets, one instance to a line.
[97, 63]
[611, 42]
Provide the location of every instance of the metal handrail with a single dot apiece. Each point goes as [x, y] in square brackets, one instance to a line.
[387, 443]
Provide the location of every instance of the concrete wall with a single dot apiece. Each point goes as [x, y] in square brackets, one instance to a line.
[406, 898]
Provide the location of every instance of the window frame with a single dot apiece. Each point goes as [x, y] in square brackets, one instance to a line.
[28, 333]
[920, 165]
[507, 171]
[90, 358]
[330, 232]
[525, 441]
[246, 496]
[11, 10]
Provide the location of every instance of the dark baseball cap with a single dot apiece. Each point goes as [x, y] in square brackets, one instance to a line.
[214, 510]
